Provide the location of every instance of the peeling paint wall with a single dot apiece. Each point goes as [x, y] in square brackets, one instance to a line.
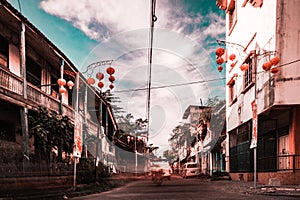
[287, 81]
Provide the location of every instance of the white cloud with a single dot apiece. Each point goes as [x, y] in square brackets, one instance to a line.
[216, 27]
[98, 19]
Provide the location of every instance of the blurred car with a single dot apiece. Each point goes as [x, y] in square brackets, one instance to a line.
[190, 169]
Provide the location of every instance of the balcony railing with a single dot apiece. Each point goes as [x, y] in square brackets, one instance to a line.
[11, 82]
[279, 163]
[14, 84]
[92, 126]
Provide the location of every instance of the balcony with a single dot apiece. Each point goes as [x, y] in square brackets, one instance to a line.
[12, 86]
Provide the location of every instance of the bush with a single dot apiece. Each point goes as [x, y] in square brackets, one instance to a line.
[86, 171]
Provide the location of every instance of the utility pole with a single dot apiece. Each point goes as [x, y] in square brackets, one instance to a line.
[61, 112]
[135, 151]
[24, 110]
[99, 134]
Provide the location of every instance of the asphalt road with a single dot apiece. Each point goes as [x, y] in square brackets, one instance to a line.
[179, 188]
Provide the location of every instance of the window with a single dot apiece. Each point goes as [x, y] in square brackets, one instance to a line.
[33, 71]
[244, 133]
[241, 156]
[232, 90]
[231, 10]
[250, 73]
[3, 51]
[196, 116]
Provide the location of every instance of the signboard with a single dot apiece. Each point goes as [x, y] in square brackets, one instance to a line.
[254, 125]
[77, 135]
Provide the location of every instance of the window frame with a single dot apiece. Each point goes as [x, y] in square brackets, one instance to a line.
[4, 51]
[232, 15]
[249, 76]
[33, 71]
[232, 90]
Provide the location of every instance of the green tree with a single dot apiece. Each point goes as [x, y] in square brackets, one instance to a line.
[170, 155]
[217, 114]
[128, 129]
[50, 131]
[113, 100]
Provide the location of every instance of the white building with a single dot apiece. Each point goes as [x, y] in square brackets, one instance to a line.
[256, 32]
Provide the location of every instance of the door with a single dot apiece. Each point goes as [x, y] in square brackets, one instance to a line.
[283, 159]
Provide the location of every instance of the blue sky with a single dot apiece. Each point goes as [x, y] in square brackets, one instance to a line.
[184, 47]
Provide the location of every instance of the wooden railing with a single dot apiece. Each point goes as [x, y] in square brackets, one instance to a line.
[92, 126]
[13, 83]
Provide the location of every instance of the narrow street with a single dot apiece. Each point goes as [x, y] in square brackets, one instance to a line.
[95, 95]
[178, 188]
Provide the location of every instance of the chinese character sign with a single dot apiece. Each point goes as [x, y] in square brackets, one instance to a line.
[254, 125]
[77, 135]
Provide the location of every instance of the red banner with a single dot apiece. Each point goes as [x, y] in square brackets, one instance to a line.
[77, 136]
[254, 125]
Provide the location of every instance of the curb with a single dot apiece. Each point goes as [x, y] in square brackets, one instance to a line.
[279, 191]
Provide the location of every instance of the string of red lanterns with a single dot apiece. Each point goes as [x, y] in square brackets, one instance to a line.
[100, 76]
[221, 52]
[219, 58]
[62, 82]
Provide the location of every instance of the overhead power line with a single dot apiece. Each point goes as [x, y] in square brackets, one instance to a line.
[197, 82]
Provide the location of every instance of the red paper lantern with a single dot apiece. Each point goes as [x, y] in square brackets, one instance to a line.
[274, 70]
[61, 82]
[220, 51]
[99, 76]
[220, 61]
[111, 86]
[111, 78]
[91, 81]
[100, 84]
[110, 70]
[244, 67]
[70, 84]
[232, 57]
[275, 60]
[220, 68]
[62, 89]
[267, 65]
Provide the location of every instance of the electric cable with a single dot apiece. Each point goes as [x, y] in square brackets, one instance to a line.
[198, 82]
[153, 18]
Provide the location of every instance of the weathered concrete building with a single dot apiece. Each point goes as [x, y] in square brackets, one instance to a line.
[262, 59]
[30, 67]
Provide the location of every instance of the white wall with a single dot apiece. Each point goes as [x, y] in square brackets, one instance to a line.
[255, 28]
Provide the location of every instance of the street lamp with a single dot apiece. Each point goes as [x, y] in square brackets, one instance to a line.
[94, 73]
